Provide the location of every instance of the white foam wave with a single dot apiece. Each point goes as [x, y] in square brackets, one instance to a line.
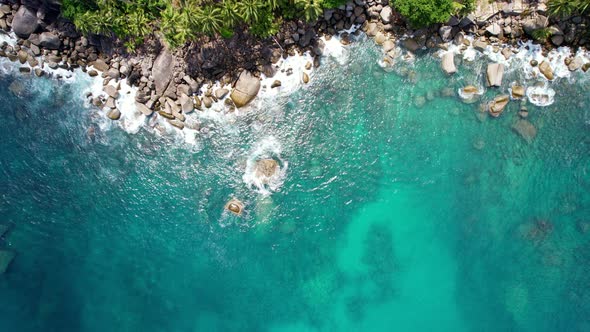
[541, 95]
[268, 148]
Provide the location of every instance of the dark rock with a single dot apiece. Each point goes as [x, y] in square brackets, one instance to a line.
[49, 40]
[162, 71]
[24, 22]
[275, 84]
[235, 206]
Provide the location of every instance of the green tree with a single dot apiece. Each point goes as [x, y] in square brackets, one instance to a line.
[422, 13]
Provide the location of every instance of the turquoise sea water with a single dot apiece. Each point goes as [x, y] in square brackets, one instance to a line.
[391, 217]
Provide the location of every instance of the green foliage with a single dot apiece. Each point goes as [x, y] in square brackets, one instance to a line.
[182, 20]
[542, 35]
[565, 8]
[266, 26]
[463, 8]
[333, 3]
[422, 13]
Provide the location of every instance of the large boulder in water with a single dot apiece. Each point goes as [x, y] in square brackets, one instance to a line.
[6, 256]
[266, 168]
[525, 129]
[448, 63]
[496, 106]
[246, 89]
[235, 206]
[162, 71]
[495, 72]
[24, 22]
[546, 70]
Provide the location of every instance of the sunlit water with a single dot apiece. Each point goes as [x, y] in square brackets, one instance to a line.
[390, 215]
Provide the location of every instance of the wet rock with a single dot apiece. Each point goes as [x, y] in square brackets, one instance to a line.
[380, 38]
[39, 72]
[585, 67]
[480, 45]
[534, 63]
[246, 89]
[177, 123]
[6, 257]
[411, 44]
[546, 70]
[221, 93]
[113, 73]
[166, 115]
[446, 33]
[495, 72]
[275, 84]
[470, 89]
[24, 22]
[143, 109]
[100, 65]
[266, 168]
[49, 40]
[525, 129]
[111, 91]
[186, 104]
[114, 114]
[448, 63]
[576, 64]
[305, 78]
[92, 73]
[24, 70]
[208, 102]
[517, 92]
[235, 206]
[110, 103]
[507, 53]
[388, 45]
[22, 56]
[496, 106]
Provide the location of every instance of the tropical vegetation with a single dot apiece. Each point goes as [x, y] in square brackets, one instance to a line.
[566, 8]
[421, 13]
[180, 21]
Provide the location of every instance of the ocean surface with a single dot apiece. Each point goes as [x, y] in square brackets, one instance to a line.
[398, 208]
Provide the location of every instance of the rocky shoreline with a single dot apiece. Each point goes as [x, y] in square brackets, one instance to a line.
[172, 83]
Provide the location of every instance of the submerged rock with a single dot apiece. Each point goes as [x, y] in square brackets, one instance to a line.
[235, 206]
[517, 92]
[246, 89]
[525, 129]
[6, 257]
[496, 106]
[3, 229]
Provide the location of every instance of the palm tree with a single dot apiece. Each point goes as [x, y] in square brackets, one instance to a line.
[312, 9]
[248, 10]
